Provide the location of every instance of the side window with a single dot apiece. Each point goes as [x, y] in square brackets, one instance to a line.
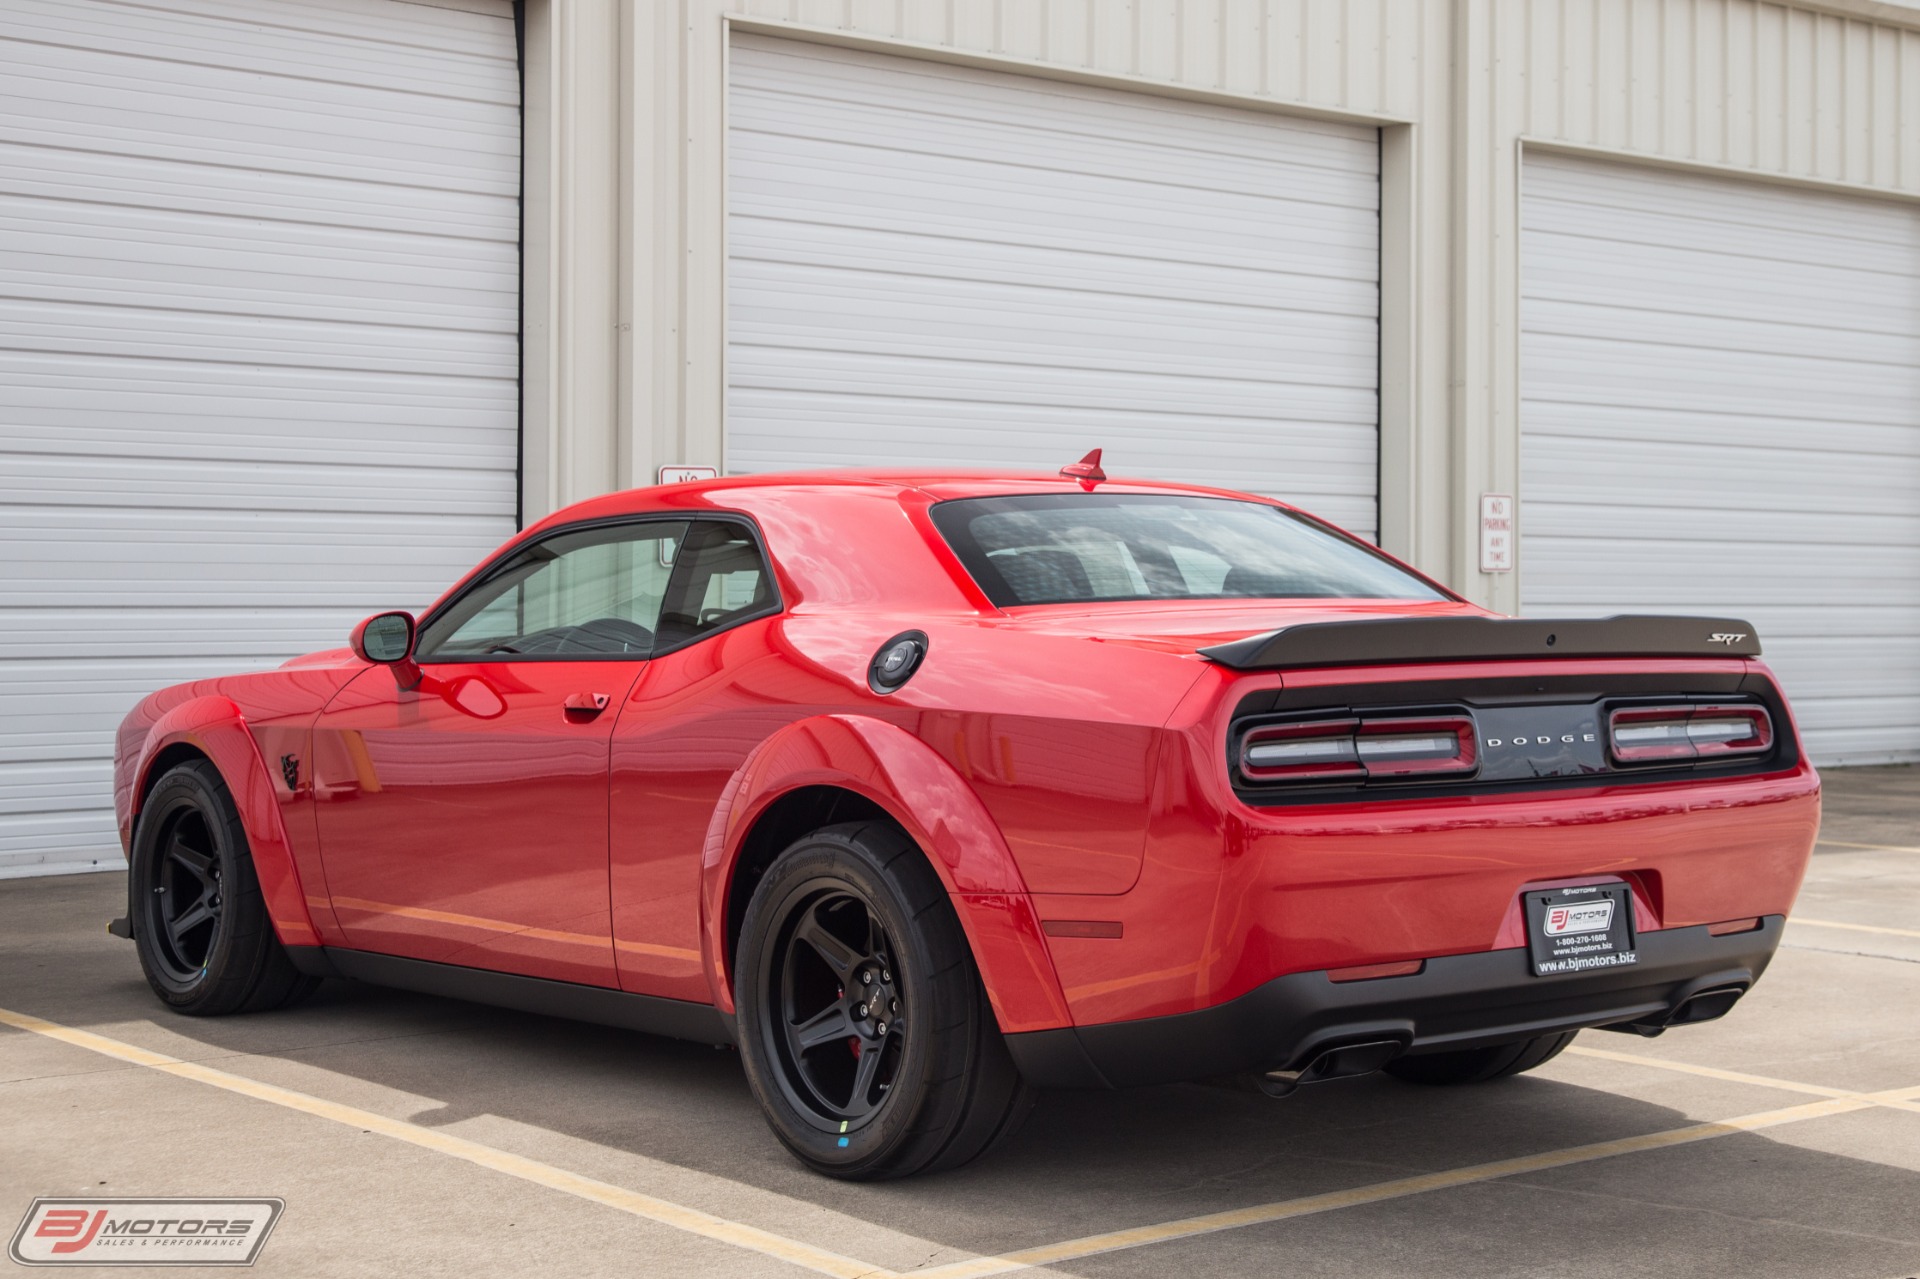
[595, 593]
[719, 579]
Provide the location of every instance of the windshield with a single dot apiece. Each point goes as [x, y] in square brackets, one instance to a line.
[1074, 547]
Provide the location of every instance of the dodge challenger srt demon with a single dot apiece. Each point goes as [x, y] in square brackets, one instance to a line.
[930, 790]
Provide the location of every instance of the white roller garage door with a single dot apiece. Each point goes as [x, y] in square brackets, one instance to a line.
[1721, 413]
[258, 352]
[931, 264]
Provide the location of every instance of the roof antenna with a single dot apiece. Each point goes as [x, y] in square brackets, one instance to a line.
[1086, 470]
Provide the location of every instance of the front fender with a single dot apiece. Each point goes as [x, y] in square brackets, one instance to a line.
[216, 728]
[918, 789]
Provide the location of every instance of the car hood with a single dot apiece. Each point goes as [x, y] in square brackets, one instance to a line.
[325, 657]
[1178, 627]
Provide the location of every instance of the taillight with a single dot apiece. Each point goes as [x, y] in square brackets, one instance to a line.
[1650, 734]
[1320, 751]
[1414, 747]
[1359, 749]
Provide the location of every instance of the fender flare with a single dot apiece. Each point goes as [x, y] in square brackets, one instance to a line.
[216, 727]
[938, 810]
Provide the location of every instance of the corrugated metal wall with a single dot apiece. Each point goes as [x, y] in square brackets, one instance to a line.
[932, 265]
[1760, 91]
[626, 191]
[1721, 386]
[1771, 87]
[1821, 92]
[1780, 91]
[1766, 87]
[258, 302]
[1362, 56]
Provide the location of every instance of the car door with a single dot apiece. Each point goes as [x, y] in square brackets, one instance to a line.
[464, 819]
[716, 688]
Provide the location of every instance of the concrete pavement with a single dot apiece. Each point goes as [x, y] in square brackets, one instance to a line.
[423, 1136]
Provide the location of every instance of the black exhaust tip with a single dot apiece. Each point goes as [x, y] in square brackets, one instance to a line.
[1342, 1061]
[1708, 1005]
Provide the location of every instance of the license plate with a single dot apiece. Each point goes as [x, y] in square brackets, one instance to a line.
[1576, 930]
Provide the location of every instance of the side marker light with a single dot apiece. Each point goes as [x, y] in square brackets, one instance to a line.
[1081, 927]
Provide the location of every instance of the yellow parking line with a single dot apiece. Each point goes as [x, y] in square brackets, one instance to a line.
[1877, 848]
[1855, 928]
[1165, 1232]
[1898, 1099]
[1710, 1072]
[628, 1201]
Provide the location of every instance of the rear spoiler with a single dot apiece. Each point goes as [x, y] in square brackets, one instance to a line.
[1391, 640]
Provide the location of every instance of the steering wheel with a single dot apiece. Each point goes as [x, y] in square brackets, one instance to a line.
[608, 635]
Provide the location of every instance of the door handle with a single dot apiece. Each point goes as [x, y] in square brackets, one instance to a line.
[584, 706]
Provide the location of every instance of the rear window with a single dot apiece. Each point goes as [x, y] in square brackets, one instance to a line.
[1064, 548]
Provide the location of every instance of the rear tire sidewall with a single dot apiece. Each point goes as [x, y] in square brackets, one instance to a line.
[812, 866]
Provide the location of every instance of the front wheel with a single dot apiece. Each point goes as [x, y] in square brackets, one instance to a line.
[864, 1029]
[1478, 1065]
[199, 922]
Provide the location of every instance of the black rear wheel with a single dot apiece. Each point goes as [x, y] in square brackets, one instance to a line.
[199, 922]
[841, 1029]
[864, 1029]
[1479, 1065]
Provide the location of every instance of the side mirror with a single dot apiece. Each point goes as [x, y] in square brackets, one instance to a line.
[386, 639]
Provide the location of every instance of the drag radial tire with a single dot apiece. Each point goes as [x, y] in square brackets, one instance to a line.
[865, 1032]
[199, 923]
[1478, 1065]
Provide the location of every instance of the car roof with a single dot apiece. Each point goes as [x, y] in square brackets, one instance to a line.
[864, 508]
[939, 485]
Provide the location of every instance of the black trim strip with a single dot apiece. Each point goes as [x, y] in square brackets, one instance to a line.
[1431, 639]
[673, 1018]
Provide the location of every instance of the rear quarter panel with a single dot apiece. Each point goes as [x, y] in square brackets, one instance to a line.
[1054, 742]
[1061, 738]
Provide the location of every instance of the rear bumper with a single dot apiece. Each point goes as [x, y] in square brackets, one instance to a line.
[1458, 1001]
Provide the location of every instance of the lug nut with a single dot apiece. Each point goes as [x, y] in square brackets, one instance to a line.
[860, 1010]
[215, 900]
[886, 976]
[893, 1005]
[866, 979]
[880, 1028]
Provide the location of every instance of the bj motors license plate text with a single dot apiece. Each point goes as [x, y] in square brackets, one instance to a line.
[144, 1232]
[1572, 930]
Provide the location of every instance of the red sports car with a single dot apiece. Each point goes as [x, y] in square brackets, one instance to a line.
[931, 790]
